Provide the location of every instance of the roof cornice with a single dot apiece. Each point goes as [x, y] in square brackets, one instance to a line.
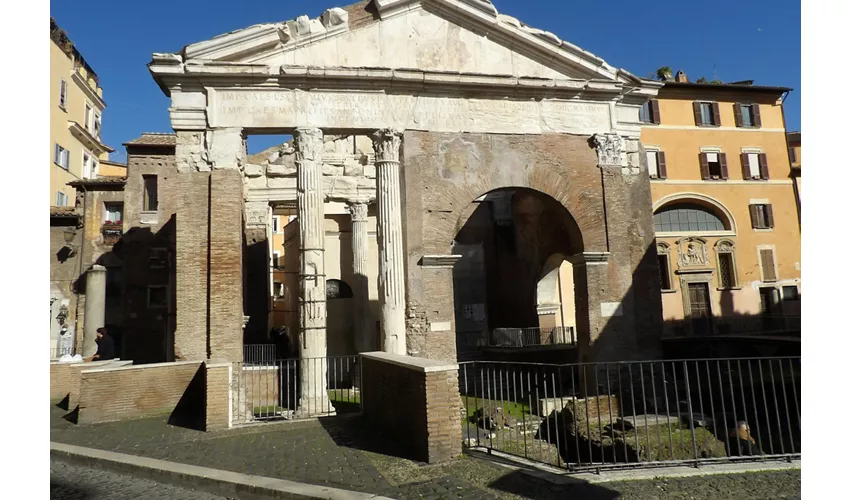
[90, 93]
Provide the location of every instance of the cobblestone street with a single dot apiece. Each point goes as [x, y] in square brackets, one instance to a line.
[71, 482]
[346, 453]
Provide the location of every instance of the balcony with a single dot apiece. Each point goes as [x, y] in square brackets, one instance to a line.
[112, 231]
[531, 337]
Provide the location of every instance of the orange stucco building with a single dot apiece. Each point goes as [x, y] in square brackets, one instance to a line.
[725, 206]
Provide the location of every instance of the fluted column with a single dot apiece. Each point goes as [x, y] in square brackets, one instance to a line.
[312, 301]
[391, 292]
[363, 337]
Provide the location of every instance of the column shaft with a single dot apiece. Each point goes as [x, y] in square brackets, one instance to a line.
[312, 299]
[363, 336]
[391, 291]
[95, 308]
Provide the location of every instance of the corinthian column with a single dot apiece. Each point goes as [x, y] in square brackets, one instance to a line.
[391, 293]
[312, 311]
[363, 341]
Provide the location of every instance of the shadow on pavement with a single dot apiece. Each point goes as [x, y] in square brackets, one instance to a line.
[521, 484]
[357, 433]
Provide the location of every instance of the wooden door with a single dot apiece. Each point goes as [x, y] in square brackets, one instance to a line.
[699, 299]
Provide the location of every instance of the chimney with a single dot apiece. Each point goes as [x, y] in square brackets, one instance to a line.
[681, 77]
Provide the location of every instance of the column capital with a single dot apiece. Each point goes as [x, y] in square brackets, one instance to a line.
[610, 149]
[309, 144]
[387, 143]
[359, 209]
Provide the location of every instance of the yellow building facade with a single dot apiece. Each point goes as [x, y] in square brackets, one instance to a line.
[76, 121]
[725, 206]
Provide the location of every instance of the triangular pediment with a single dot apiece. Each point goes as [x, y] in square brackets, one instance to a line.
[440, 36]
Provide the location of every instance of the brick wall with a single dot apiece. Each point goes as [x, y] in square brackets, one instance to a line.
[416, 402]
[225, 301]
[109, 393]
[219, 402]
[72, 374]
[191, 225]
[59, 380]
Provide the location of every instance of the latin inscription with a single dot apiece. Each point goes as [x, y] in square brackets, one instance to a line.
[295, 108]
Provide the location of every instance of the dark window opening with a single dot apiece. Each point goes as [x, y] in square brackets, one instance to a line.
[727, 270]
[664, 267]
[790, 293]
[157, 297]
[150, 195]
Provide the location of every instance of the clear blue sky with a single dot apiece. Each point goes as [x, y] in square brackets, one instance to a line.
[732, 40]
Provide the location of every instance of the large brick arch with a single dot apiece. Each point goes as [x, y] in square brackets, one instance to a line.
[456, 169]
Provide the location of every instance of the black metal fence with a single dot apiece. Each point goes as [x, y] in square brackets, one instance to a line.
[259, 353]
[634, 414]
[531, 336]
[295, 388]
[58, 352]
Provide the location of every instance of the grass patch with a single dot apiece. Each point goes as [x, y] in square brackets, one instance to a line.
[343, 401]
[513, 409]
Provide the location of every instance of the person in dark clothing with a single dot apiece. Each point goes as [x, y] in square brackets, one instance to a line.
[105, 346]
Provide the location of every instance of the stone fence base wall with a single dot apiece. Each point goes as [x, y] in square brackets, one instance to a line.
[65, 379]
[118, 393]
[415, 401]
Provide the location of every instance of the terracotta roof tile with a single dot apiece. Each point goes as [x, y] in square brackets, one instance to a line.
[100, 181]
[153, 139]
[63, 212]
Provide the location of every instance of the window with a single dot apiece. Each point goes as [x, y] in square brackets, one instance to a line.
[747, 115]
[150, 196]
[94, 165]
[664, 266]
[276, 224]
[60, 156]
[761, 216]
[792, 154]
[158, 258]
[88, 118]
[96, 128]
[63, 94]
[278, 292]
[790, 293]
[687, 217]
[706, 114]
[157, 297]
[276, 260]
[713, 165]
[768, 266]
[649, 112]
[113, 212]
[61, 199]
[656, 163]
[726, 274]
[754, 165]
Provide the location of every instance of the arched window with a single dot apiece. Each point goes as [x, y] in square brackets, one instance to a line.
[690, 217]
[727, 275]
[337, 289]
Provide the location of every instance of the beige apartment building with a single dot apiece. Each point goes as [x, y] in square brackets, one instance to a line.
[725, 206]
[77, 150]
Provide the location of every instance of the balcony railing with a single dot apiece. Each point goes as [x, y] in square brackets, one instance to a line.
[531, 336]
[764, 325]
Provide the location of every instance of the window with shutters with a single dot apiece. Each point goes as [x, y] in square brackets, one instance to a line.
[682, 217]
[713, 165]
[706, 114]
[754, 165]
[96, 125]
[656, 164]
[89, 118]
[649, 112]
[768, 264]
[150, 193]
[664, 266]
[747, 115]
[63, 94]
[727, 275]
[60, 156]
[761, 216]
[113, 212]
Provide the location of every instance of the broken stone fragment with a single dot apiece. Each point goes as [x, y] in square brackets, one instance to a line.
[334, 17]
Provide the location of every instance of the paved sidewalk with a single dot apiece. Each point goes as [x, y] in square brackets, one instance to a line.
[346, 453]
[73, 482]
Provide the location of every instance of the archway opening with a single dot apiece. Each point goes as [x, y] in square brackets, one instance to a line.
[515, 245]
